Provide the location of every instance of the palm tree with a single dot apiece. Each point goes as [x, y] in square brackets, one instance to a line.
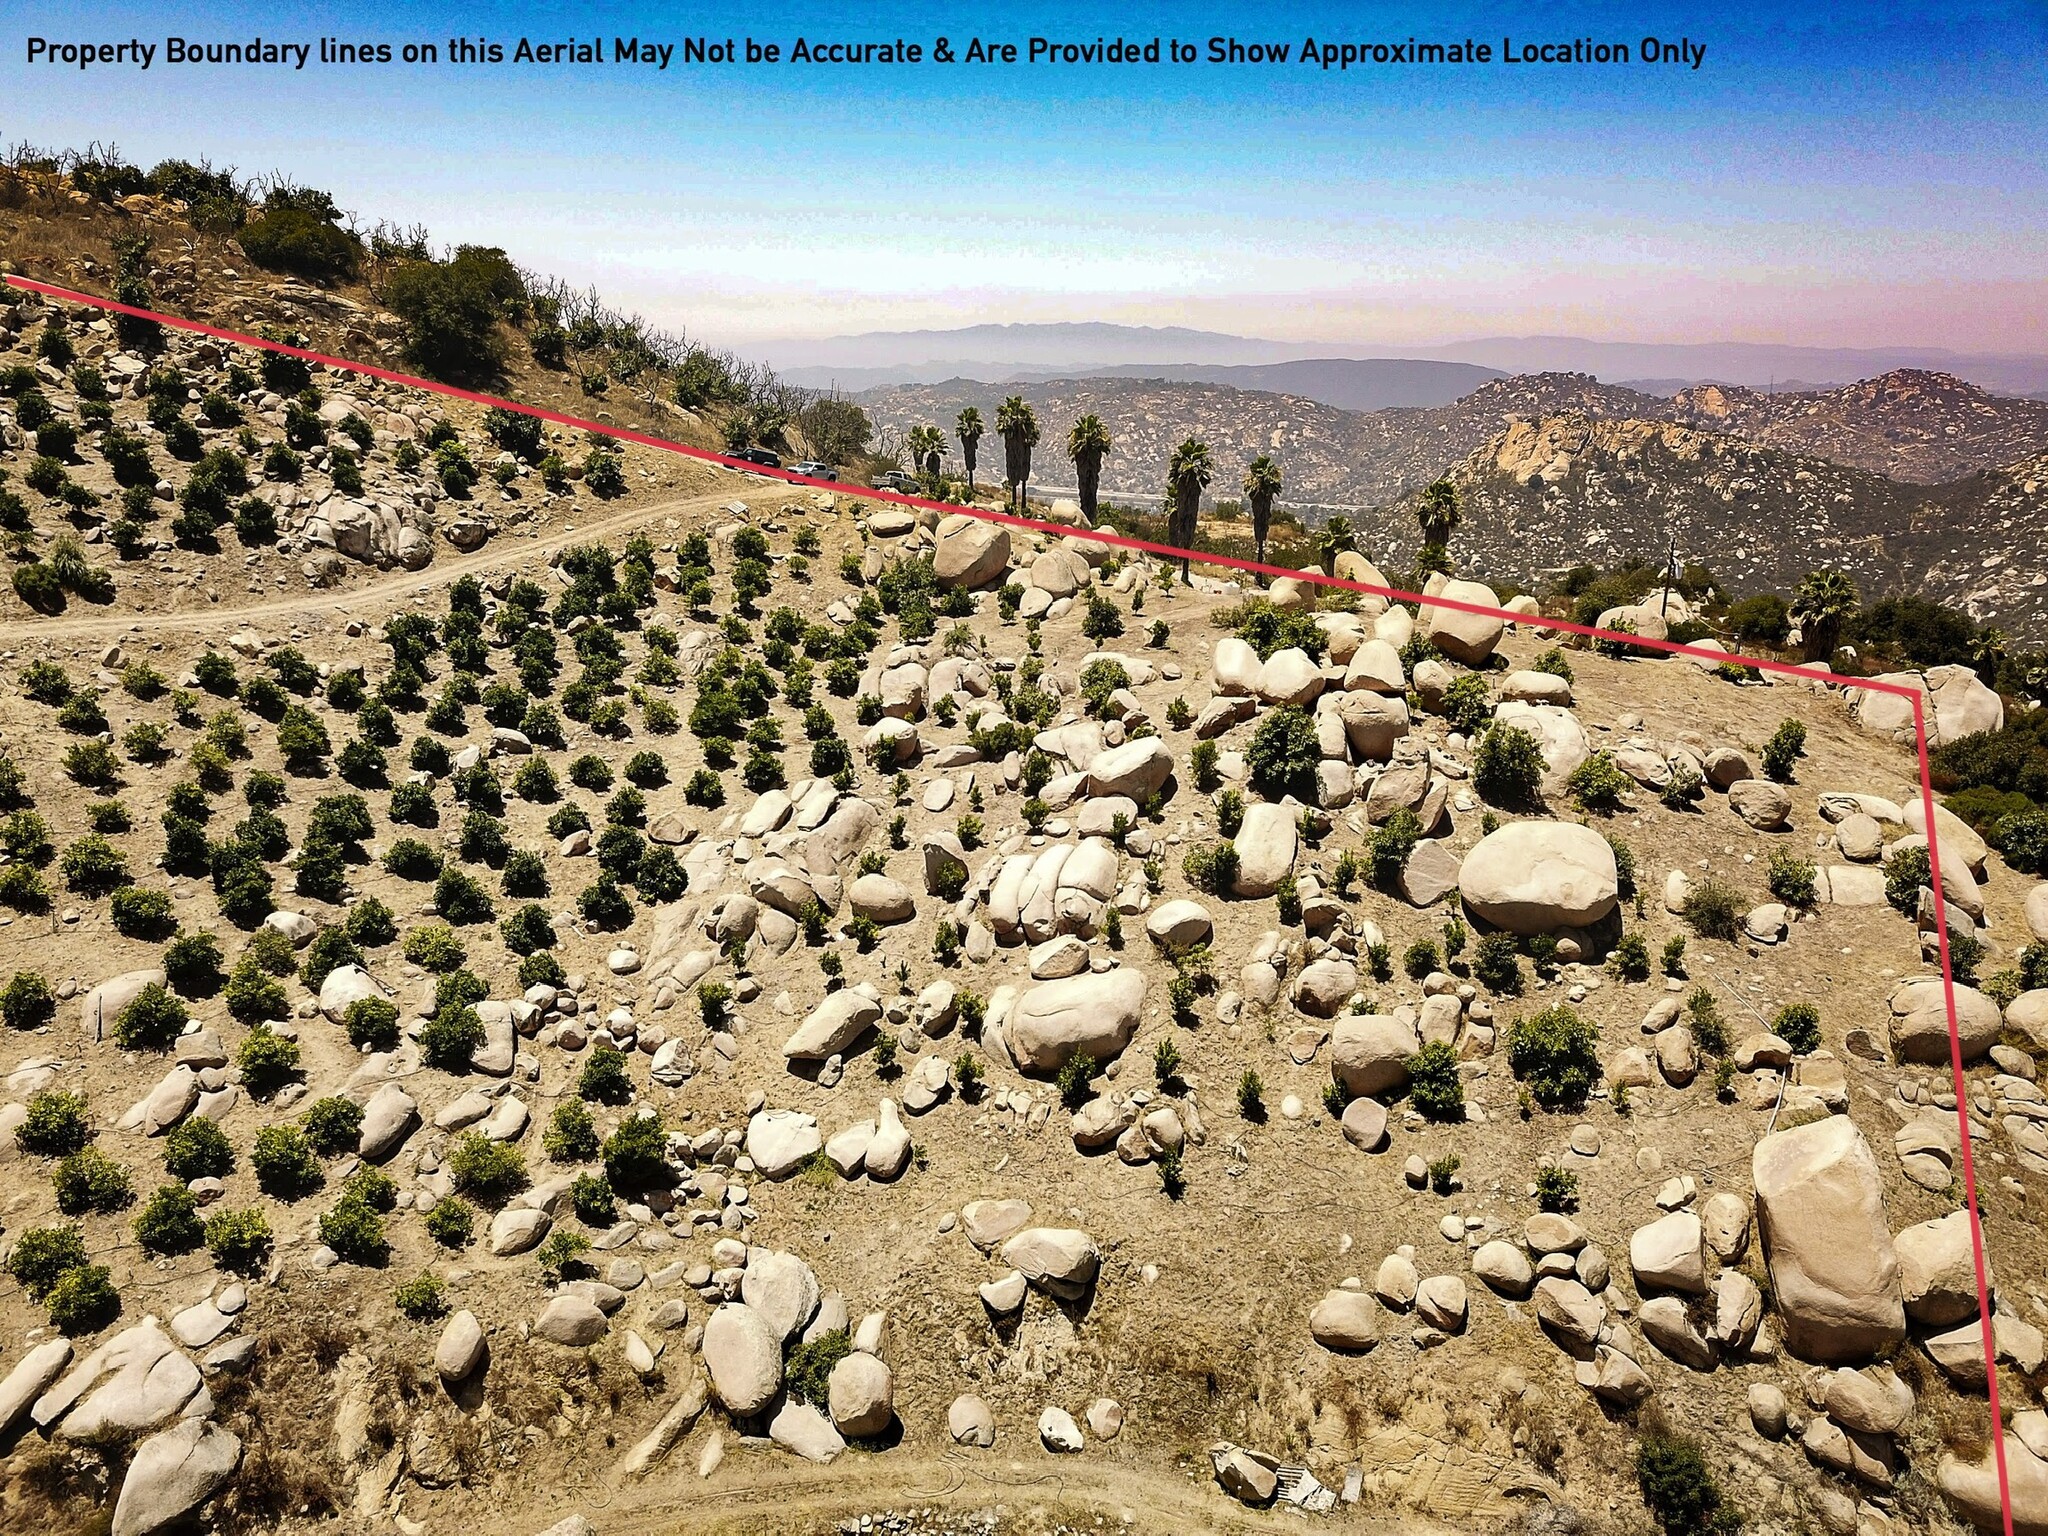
[1017, 425]
[1337, 538]
[1086, 445]
[1187, 475]
[1821, 607]
[1437, 513]
[1987, 654]
[967, 425]
[1261, 485]
[926, 447]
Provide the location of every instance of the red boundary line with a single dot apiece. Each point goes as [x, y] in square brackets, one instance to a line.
[1391, 594]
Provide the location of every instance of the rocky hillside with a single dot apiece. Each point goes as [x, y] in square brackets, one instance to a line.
[1547, 494]
[170, 474]
[1333, 458]
[1910, 425]
[706, 1031]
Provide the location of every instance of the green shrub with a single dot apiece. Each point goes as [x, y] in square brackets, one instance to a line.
[571, 1136]
[1466, 704]
[1388, 849]
[1251, 1097]
[169, 1223]
[1791, 879]
[27, 1002]
[239, 1241]
[1421, 958]
[593, 1200]
[490, 1171]
[562, 1255]
[43, 1256]
[299, 241]
[451, 1038]
[198, 1149]
[808, 1373]
[1798, 1025]
[1631, 958]
[89, 1180]
[285, 1166]
[422, 1298]
[1507, 766]
[1679, 1487]
[604, 1078]
[1709, 1029]
[84, 1301]
[1905, 873]
[372, 1024]
[354, 1230]
[2022, 839]
[55, 1125]
[435, 947]
[333, 1125]
[1713, 911]
[268, 1061]
[1496, 966]
[636, 1154]
[192, 964]
[1599, 787]
[1283, 754]
[1557, 1189]
[1783, 751]
[1553, 1054]
[1434, 1087]
[452, 1222]
[142, 914]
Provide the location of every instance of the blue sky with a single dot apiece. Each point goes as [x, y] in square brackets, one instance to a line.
[1825, 178]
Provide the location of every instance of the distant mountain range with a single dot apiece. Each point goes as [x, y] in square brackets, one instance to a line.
[1911, 480]
[997, 353]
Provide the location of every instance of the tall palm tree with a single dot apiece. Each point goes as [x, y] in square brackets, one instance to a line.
[1437, 513]
[1261, 485]
[1187, 475]
[926, 447]
[967, 426]
[1821, 606]
[1086, 445]
[1017, 425]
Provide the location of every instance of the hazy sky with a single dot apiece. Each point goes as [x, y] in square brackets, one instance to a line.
[1837, 176]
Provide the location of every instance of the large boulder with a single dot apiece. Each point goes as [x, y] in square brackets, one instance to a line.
[173, 1473]
[744, 1358]
[971, 551]
[570, 1320]
[1834, 1270]
[390, 1116]
[1373, 722]
[1061, 1261]
[780, 1141]
[1954, 837]
[461, 1348]
[782, 1289]
[1345, 1321]
[1938, 1271]
[98, 1009]
[1463, 636]
[1290, 676]
[1537, 876]
[832, 1026]
[1974, 1489]
[1137, 769]
[862, 1394]
[1919, 1022]
[1369, 1052]
[1267, 842]
[346, 984]
[1963, 706]
[1091, 1015]
[1559, 737]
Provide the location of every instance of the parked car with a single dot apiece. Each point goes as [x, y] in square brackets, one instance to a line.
[811, 469]
[894, 480]
[759, 456]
